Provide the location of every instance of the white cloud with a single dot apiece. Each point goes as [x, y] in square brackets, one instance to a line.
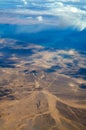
[25, 2]
[40, 18]
[70, 14]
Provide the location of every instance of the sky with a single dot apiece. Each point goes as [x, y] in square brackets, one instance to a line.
[59, 13]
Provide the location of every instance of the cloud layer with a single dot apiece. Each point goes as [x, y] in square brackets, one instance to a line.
[61, 13]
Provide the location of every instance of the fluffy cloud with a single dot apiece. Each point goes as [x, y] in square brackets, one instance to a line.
[40, 18]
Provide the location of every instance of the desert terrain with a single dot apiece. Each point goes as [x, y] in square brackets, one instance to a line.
[43, 90]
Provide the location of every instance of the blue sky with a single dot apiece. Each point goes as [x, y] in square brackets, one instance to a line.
[60, 13]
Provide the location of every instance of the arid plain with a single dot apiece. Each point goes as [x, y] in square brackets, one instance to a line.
[41, 89]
